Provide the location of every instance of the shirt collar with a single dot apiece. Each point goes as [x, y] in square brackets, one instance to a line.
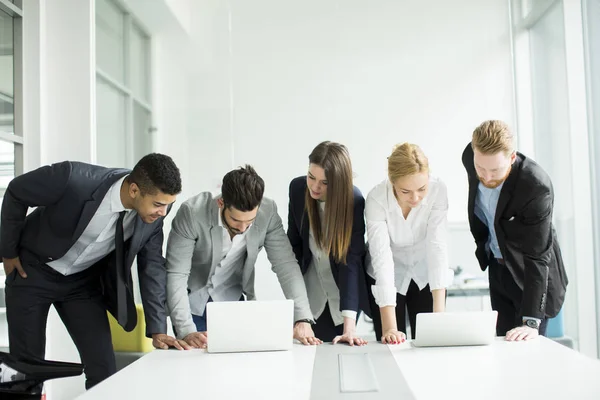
[115, 196]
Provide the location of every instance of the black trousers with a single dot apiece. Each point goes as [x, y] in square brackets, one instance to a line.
[324, 327]
[416, 301]
[506, 298]
[78, 301]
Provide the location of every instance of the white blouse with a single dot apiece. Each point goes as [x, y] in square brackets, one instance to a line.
[404, 249]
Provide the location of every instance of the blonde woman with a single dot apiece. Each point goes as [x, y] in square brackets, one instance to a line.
[326, 230]
[407, 234]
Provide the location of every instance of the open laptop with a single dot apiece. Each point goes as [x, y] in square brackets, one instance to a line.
[456, 328]
[237, 326]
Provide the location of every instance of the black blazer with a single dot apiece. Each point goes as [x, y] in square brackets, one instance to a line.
[525, 233]
[349, 277]
[67, 195]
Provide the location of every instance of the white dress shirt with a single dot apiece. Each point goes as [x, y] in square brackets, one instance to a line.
[405, 249]
[226, 283]
[98, 238]
[320, 284]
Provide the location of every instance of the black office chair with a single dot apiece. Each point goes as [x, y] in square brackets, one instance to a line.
[20, 379]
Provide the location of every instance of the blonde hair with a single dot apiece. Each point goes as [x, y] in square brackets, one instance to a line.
[406, 159]
[492, 137]
[334, 234]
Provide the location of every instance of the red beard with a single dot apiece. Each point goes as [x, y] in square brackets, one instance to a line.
[496, 182]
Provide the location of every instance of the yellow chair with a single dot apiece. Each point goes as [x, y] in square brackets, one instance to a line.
[134, 341]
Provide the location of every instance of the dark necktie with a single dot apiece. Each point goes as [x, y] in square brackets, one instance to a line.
[121, 274]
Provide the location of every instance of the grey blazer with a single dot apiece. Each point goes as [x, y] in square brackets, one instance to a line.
[194, 251]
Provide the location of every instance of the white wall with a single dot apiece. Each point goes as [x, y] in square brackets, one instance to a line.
[181, 9]
[210, 140]
[277, 77]
[69, 89]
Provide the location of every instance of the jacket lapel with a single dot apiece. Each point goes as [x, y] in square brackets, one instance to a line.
[91, 206]
[216, 234]
[473, 185]
[507, 189]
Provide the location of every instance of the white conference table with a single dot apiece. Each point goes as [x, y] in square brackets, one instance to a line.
[537, 369]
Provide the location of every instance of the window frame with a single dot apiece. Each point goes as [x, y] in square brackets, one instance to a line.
[125, 88]
[15, 10]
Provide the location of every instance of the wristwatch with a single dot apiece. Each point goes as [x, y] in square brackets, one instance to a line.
[532, 323]
[309, 321]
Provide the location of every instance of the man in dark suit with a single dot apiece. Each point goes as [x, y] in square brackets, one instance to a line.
[511, 200]
[76, 249]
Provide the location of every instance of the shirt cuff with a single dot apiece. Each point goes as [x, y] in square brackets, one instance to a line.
[384, 295]
[349, 314]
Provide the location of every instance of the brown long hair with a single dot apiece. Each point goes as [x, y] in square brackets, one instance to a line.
[333, 235]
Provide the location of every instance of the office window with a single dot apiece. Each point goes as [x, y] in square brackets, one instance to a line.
[550, 88]
[541, 65]
[551, 127]
[124, 130]
[11, 135]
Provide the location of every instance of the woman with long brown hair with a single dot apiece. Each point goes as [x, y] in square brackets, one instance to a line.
[407, 233]
[326, 229]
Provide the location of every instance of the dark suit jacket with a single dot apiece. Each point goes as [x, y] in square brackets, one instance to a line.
[525, 233]
[67, 195]
[349, 277]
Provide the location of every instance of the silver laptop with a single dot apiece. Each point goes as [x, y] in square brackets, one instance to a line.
[455, 328]
[237, 326]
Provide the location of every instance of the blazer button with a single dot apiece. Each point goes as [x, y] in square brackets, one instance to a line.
[49, 258]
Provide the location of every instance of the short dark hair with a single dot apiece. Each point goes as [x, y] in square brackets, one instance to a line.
[242, 189]
[156, 172]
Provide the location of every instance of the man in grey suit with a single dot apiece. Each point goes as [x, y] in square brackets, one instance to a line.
[212, 249]
[76, 249]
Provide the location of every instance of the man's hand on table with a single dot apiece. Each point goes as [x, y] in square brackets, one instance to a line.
[164, 341]
[304, 334]
[197, 340]
[521, 333]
